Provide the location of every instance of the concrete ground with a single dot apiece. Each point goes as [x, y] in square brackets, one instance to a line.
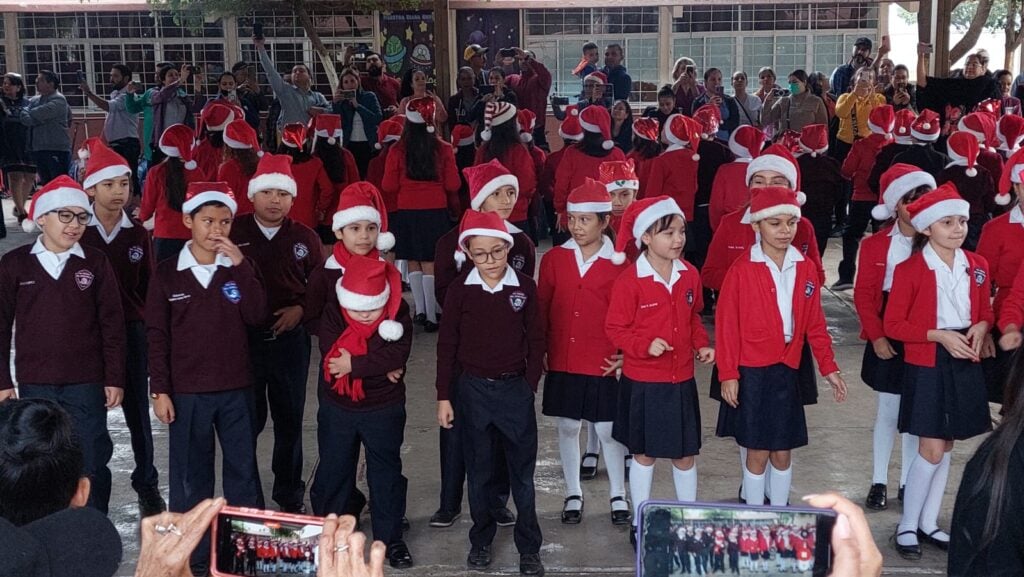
[838, 458]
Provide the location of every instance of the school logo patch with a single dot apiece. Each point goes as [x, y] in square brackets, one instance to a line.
[804, 247]
[808, 289]
[135, 254]
[517, 300]
[519, 262]
[689, 297]
[979, 276]
[83, 279]
[231, 292]
[301, 251]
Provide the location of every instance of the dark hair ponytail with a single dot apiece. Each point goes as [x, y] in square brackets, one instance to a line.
[420, 152]
[175, 183]
[334, 160]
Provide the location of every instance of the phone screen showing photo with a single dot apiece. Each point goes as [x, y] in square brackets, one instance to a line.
[248, 546]
[737, 540]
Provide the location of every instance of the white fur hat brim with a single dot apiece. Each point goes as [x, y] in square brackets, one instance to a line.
[775, 164]
[343, 218]
[492, 185]
[929, 216]
[899, 188]
[209, 196]
[652, 214]
[362, 303]
[273, 180]
[773, 211]
[106, 174]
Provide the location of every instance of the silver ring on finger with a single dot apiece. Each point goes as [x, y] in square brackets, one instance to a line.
[341, 548]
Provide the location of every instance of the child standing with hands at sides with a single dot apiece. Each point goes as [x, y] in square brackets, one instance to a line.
[654, 319]
[769, 305]
[360, 404]
[126, 244]
[882, 367]
[55, 287]
[200, 384]
[939, 296]
[165, 187]
[574, 290]
[492, 337]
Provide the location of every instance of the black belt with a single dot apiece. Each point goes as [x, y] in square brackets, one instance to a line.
[507, 376]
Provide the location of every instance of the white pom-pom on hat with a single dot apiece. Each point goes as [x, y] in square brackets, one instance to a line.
[608, 145]
[971, 172]
[618, 258]
[390, 330]
[695, 157]
[385, 241]
[1002, 199]
[191, 165]
[881, 212]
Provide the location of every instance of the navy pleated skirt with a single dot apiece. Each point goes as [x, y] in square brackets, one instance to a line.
[770, 415]
[660, 420]
[948, 401]
[580, 397]
[416, 232]
[884, 376]
[807, 379]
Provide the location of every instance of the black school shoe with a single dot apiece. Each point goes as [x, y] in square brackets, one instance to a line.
[443, 518]
[504, 517]
[429, 327]
[622, 516]
[928, 538]
[908, 552]
[419, 319]
[572, 516]
[479, 557]
[151, 502]
[588, 473]
[398, 555]
[877, 498]
[529, 564]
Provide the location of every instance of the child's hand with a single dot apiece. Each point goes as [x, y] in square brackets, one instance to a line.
[228, 249]
[958, 345]
[658, 347]
[883, 348]
[340, 365]
[706, 355]
[1009, 341]
[731, 392]
[988, 347]
[976, 336]
[287, 319]
[395, 375]
[163, 406]
[838, 386]
[445, 414]
[612, 364]
[114, 396]
[8, 394]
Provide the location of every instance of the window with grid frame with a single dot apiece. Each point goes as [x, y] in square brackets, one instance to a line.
[65, 60]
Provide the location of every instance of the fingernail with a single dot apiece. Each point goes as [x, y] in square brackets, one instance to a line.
[808, 497]
[843, 529]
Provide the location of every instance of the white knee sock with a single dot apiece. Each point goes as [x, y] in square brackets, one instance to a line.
[614, 460]
[743, 468]
[428, 296]
[640, 479]
[781, 481]
[919, 482]
[884, 434]
[908, 452]
[929, 520]
[569, 451]
[416, 284]
[753, 486]
[593, 441]
[686, 483]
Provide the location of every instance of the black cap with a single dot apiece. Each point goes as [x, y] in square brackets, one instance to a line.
[863, 41]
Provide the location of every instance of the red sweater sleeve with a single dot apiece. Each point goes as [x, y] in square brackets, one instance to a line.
[563, 180]
[818, 337]
[394, 169]
[152, 192]
[902, 296]
[546, 180]
[324, 191]
[698, 334]
[546, 290]
[852, 162]
[1012, 312]
[867, 293]
[727, 328]
[813, 254]
[656, 180]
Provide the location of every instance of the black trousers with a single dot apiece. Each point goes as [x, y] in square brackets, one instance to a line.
[86, 404]
[340, 433]
[502, 409]
[362, 152]
[860, 218]
[839, 152]
[130, 149]
[136, 410]
[701, 232]
[822, 224]
[51, 163]
[280, 370]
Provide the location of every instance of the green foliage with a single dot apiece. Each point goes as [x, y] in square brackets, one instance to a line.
[960, 18]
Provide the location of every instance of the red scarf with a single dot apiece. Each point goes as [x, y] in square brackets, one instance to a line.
[354, 341]
[342, 255]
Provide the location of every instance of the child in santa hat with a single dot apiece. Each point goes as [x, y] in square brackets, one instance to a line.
[574, 288]
[130, 252]
[983, 127]
[729, 191]
[213, 120]
[571, 133]
[973, 181]
[241, 155]
[492, 342]
[821, 180]
[882, 367]
[901, 142]
[315, 190]
[714, 154]
[388, 133]
[537, 222]
[646, 147]
[339, 163]
[759, 363]
[939, 309]
[621, 180]
[674, 173]
[925, 132]
[199, 381]
[501, 142]
[285, 252]
[363, 405]
[654, 319]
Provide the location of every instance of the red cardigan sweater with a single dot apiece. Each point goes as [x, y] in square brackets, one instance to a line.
[519, 162]
[168, 223]
[315, 192]
[573, 170]
[420, 194]
[867, 289]
[1002, 246]
[730, 191]
[858, 164]
[674, 174]
[208, 157]
[231, 172]
[642, 166]
[913, 303]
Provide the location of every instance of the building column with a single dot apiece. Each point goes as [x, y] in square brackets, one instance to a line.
[11, 49]
[665, 56]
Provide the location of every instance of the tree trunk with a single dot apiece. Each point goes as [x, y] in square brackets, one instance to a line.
[973, 32]
[1013, 34]
[325, 57]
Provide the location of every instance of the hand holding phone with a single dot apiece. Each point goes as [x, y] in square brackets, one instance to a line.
[240, 533]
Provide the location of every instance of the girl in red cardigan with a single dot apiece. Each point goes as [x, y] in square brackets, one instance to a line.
[501, 141]
[939, 296]
[242, 151]
[583, 160]
[654, 319]
[574, 290]
[646, 148]
[315, 188]
[882, 367]
[769, 306]
[164, 191]
[674, 173]
[339, 164]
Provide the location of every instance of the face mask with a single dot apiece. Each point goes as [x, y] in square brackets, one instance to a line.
[794, 88]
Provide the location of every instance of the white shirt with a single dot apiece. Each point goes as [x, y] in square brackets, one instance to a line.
[510, 279]
[268, 231]
[644, 269]
[202, 272]
[785, 283]
[900, 248]
[358, 132]
[953, 289]
[606, 251]
[53, 262]
[125, 222]
[1016, 216]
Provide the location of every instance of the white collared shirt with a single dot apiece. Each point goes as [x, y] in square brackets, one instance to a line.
[1016, 215]
[785, 283]
[203, 272]
[510, 279]
[268, 231]
[606, 251]
[53, 262]
[953, 289]
[125, 222]
[644, 269]
[900, 247]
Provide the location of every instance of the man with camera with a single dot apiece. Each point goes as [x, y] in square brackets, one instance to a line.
[121, 126]
[901, 93]
[531, 85]
[376, 80]
[861, 57]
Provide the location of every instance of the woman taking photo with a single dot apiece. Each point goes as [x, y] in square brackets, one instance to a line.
[853, 109]
[414, 85]
[15, 159]
[360, 114]
[796, 110]
[685, 85]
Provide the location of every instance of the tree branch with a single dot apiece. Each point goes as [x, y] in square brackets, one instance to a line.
[970, 38]
[318, 46]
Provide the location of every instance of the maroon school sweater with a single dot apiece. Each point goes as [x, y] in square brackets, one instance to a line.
[70, 330]
[197, 337]
[522, 256]
[285, 261]
[490, 334]
[321, 315]
[381, 358]
[131, 256]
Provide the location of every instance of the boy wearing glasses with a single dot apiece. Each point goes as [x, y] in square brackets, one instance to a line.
[492, 332]
[70, 343]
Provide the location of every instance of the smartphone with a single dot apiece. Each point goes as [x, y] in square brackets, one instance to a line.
[486, 89]
[81, 75]
[255, 542]
[734, 538]
[348, 94]
[257, 30]
[560, 100]
[507, 52]
[691, 70]
[720, 91]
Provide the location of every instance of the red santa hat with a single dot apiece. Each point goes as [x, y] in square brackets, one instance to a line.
[61, 192]
[273, 171]
[179, 141]
[1011, 175]
[527, 122]
[992, 106]
[294, 135]
[904, 119]
[814, 139]
[682, 131]
[591, 196]
[370, 284]
[362, 201]
[882, 119]
[102, 163]
[773, 201]
[496, 113]
[597, 120]
[1010, 131]
[421, 111]
[979, 124]
[200, 193]
[484, 179]
[476, 223]
[926, 127]
[391, 131]
[646, 128]
[895, 183]
[779, 159]
[327, 126]
[241, 136]
[938, 204]
[709, 118]
[963, 151]
[571, 129]
[216, 116]
[616, 174]
[746, 142]
[462, 135]
[640, 216]
[597, 75]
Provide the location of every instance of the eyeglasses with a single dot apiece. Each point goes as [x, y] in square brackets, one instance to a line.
[497, 254]
[66, 216]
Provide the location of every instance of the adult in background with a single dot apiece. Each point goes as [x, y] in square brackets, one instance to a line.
[532, 84]
[615, 71]
[299, 102]
[749, 105]
[121, 126]
[796, 110]
[377, 81]
[622, 126]
[817, 83]
[1008, 103]
[853, 109]
[765, 85]
[684, 85]
[239, 87]
[842, 76]
[48, 116]
[414, 86]
[462, 105]
[714, 94]
[475, 55]
[964, 92]
[15, 159]
[901, 93]
[360, 115]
